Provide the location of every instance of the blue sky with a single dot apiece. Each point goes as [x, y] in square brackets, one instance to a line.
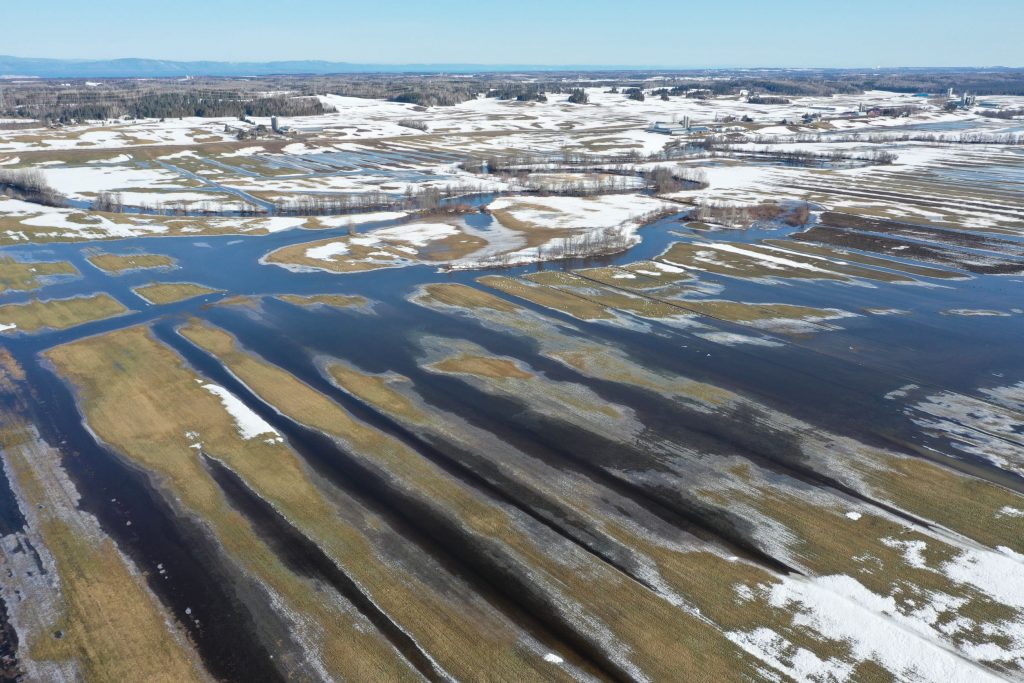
[625, 32]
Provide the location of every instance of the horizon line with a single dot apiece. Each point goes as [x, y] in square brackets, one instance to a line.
[485, 66]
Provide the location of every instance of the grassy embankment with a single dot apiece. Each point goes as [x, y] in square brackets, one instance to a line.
[332, 300]
[119, 263]
[59, 314]
[160, 293]
[24, 275]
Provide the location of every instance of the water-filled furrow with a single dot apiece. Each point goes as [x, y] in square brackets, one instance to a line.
[472, 469]
[944, 204]
[12, 520]
[483, 475]
[9, 667]
[560, 518]
[448, 394]
[782, 459]
[498, 416]
[835, 396]
[304, 557]
[972, 467]
[534, 433]
[420, 523]
[667, 419]
[229, 640]
[747, 436]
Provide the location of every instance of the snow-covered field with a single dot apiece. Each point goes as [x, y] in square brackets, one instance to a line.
[362, 150]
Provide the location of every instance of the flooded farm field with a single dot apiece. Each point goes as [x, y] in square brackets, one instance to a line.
[764, 424]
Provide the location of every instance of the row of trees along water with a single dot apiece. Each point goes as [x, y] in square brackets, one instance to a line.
[30, 185]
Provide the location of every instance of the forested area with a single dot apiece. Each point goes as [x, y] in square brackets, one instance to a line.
[72, 105]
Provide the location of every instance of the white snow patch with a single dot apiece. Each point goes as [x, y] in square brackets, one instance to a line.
[250, 425]
[765, 258]
[244, 152]
[187, 154]
[417, 234]
[578, 213]
[279, 223]
[731, 339]
[901, 392]
[79, 180]
[119, 159]
[840, 608]
[997, 574]
[327, 251]
[913, 551]
[359, 218]
[768, 646]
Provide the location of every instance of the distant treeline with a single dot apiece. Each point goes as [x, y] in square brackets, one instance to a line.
[773, 89]
[797, 157]
[63, 107]
[767, 99]
[538, 92]
[293, 95]
[428, 200]
[969, 138]
[1002, 113]
[427, 96]
[1009, 82]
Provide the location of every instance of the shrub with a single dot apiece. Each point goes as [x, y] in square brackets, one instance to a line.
[414, 124]
[578, 96]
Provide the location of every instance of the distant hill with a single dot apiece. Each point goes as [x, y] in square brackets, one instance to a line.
[158, 68]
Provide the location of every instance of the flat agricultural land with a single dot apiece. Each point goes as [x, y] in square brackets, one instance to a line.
[516, 389]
